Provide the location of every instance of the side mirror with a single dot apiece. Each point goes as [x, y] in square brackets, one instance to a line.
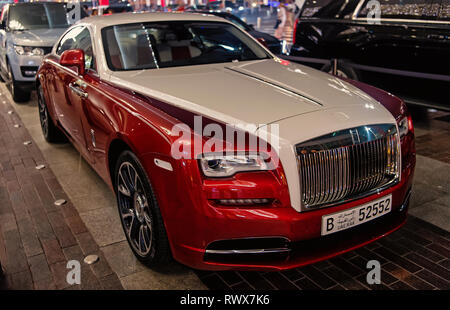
[73, 58]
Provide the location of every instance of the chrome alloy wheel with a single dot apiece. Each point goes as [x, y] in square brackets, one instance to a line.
[43, 112]
[134, 209]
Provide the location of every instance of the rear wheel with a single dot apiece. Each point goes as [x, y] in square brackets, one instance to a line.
[139, 212]
[18, 94]
[51, 133]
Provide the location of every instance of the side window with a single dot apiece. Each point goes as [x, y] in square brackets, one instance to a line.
[78, 38]
[312, 7]
[84, 42]
[402, 9]
[68, 41]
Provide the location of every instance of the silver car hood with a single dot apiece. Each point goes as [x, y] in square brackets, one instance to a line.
[37, 37]
[256, 92]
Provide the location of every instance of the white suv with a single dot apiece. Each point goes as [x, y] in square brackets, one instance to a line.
[27, 32]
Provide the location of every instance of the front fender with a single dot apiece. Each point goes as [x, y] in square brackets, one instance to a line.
[392, 103]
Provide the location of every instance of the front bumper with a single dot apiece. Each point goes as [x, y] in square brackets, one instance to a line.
[24, 68]
[304, 252]
[194, 234]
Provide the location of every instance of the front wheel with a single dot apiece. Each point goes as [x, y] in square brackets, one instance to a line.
[139, 212]
[51, 133]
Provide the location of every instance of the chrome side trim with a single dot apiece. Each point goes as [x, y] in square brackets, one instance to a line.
[250, 251]
[406, 21]
[163, 164]
[358, 9]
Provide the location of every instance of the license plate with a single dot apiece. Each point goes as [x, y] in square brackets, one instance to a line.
[342, 220]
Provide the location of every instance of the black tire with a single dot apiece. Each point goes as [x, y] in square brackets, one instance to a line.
[140, 205]
[342, 70]
[51, 133]
[17, 93]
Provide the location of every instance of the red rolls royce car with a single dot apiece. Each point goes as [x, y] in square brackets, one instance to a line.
[167, 107]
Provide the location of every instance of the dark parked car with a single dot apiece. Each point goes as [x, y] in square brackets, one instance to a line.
[272, 43]
[405, 51]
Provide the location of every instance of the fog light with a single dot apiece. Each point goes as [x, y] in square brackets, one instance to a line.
[244, 202]
[30, 73]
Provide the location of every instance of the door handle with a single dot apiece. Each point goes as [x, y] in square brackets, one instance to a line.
[81, 84]
[76, 89]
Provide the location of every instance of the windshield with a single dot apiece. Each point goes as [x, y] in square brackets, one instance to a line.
[37, 16]
[176, 43]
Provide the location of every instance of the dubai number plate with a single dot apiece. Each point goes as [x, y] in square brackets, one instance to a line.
[342, 220]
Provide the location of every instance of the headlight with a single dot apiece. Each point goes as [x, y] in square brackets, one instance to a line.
[28, 50]
[405, 125]
[223, 165]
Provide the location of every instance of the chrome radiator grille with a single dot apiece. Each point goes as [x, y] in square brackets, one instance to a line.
[348, 164]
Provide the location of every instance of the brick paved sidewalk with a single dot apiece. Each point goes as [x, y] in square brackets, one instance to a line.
[37, 238]
[435, 143]
[415, 257]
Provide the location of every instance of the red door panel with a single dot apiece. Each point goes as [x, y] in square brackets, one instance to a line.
[68, 106]
[97, 124]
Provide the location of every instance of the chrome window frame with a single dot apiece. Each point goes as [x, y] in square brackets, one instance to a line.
[93, 71]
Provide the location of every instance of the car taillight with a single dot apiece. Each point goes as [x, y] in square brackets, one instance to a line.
[295, 31]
